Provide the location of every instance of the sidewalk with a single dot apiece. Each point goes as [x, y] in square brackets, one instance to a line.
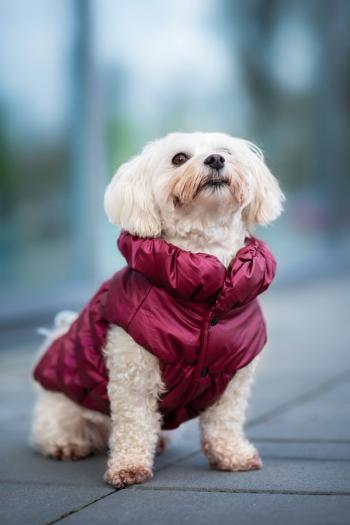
[299, 419]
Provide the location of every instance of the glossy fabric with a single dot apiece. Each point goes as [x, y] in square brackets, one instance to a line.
[201, 320]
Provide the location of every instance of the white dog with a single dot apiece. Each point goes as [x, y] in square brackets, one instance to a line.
[203, 193]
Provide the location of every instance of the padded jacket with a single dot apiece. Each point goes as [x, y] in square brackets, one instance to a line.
[201, 320]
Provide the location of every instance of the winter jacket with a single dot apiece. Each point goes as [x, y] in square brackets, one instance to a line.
[201, 320]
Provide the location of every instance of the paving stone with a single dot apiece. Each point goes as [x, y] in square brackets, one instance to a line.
[325, 417]
[15, 451]
[32, 504]
[308, 343]
[20, 463]
[281, 475]
[145, 507]
[188, 442]
[308, 328]
[308, 450]
[269, 449]
[264, 400]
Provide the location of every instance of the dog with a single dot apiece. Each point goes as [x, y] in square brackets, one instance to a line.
[193, 197]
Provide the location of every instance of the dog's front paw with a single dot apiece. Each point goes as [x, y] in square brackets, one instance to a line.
[131, 475]
[233, 457]
[238, 462]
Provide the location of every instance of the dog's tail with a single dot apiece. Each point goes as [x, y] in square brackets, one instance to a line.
[61, 324]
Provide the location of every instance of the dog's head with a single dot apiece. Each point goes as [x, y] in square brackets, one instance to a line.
[193, 179]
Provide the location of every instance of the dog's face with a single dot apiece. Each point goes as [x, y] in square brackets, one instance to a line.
[192, 180]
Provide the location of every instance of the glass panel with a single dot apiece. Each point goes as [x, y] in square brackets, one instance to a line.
[36, 187]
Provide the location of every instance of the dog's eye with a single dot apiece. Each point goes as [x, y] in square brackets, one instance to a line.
[180, 158]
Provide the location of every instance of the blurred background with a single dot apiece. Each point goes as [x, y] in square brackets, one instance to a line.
[85, 83]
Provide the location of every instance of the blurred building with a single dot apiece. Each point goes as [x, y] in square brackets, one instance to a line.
[84, 83]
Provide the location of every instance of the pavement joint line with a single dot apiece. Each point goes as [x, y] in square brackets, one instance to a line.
[50, 484]
[74, 511]
[301, 440]
[80, 485]
[269, 458]
[299, 458]
[201, 489]
[243, 491]
[322, 388]
[306, 396]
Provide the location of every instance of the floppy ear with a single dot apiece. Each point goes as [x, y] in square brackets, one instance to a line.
[129, 200]
[266, 204]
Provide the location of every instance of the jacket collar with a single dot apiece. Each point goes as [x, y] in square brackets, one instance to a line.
[200, 277]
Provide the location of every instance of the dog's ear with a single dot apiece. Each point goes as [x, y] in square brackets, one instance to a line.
[129, 200]
[266, 203]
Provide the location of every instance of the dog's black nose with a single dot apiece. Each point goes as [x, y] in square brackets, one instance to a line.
[215, 161]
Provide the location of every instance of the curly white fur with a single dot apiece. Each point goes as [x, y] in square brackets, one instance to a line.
[222, 434]
[150, 196]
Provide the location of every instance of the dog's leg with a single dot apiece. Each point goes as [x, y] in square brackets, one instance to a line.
[62, 429]
[134, 387]
[222, 434]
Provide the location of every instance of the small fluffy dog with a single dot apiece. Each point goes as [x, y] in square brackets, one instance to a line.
[198, 194]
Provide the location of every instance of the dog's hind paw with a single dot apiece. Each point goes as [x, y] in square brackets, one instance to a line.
[69, 452]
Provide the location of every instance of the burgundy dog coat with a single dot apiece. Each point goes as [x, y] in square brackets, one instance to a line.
[201, 320]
